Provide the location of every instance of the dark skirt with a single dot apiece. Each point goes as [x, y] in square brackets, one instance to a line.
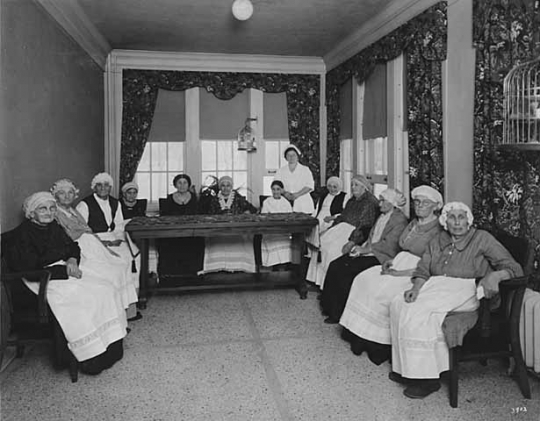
[97, 364]
[338, 282]
[180, 256]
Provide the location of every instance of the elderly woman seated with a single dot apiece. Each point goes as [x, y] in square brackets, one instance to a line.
[131, 206]
[96, 258]
[87, 307]
[366, 317]
[381, 246]
[350, 228]
[234, 253]
[443, 281]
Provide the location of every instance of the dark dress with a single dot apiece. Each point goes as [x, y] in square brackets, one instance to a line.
[179, 256]
[342, 271]
[139, 209]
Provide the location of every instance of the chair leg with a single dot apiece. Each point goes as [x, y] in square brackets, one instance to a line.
[520, 367]
[454, 377]
[73, 367]
[19, 350]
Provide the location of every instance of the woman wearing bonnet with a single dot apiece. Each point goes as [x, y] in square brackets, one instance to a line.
[234, 253]
[88, 308]
[366, 317]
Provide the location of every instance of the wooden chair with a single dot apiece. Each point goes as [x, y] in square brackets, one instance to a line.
[496, 332]
[30, 316]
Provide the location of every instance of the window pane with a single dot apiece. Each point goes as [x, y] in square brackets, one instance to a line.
[240, 159]
[176, 156]
[207, 178]
[224, 152]
[159, 156]
[143, 180]
[283, 146]
[159, 185]
[240, 182]
[267, 181]
[144, 165]
[208, 154]
[378, 189]
[272, 155]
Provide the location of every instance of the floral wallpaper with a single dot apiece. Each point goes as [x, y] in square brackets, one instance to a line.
[140, 88]
[423, 40]
[506, 191]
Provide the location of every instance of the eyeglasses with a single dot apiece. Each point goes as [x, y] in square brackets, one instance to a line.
[423, 203]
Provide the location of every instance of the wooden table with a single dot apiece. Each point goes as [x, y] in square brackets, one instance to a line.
[142, 229]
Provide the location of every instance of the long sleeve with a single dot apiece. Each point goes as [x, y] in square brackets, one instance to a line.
[388, 246]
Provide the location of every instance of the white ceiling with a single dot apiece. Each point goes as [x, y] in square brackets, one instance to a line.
[277, 27]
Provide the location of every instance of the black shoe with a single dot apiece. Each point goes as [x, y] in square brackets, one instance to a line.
[398, 378]
[377, 357]
[331, 321]
[91, 367]
[357, 347]
[422, 388]
[138, 316]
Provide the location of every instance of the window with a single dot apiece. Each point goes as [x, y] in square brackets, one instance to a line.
[160, 162]
[346, 170]
[221, 157]
[373, 154]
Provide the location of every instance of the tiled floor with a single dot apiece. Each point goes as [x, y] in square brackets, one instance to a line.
[256, 355]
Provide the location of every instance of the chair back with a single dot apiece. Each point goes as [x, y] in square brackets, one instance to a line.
[519, 248]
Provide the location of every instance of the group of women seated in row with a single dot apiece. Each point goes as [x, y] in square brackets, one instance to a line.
[390, 284]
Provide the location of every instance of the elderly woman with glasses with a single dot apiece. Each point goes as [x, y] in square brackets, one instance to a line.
[234, 253]
[366, 317]
[381, 246]
[349, 229]
[443, 281]
[87, 307]
[96, 257]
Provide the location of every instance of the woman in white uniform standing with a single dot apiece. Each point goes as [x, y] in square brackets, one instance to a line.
[298, 181]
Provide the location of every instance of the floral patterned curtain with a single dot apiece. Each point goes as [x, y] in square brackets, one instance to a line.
[506, 184]
[423, 40]
[140, 89]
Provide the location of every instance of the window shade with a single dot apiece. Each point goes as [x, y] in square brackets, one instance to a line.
[374, 123]
[345, 110]
[169, 122]
[222, 119]
[276, 125]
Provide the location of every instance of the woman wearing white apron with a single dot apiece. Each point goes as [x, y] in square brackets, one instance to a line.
[297, 180]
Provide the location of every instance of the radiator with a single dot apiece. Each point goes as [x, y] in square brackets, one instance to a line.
[529, 329]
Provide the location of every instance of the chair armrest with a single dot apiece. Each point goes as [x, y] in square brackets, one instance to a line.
[42, 277]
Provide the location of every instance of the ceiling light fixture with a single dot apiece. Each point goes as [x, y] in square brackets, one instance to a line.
[242, 9]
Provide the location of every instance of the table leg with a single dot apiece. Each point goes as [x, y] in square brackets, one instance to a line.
[143, 276]
[301, 285]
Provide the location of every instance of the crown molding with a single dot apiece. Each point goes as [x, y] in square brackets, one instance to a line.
[238, 63]
[390, 18]
[74, 21]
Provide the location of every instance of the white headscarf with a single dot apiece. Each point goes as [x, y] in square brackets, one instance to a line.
[430, 193]
[450, 206]
[102, 177]
[395, 197]
[63, 185]
[31, 203]
[335, 180]
[130, 185]
[294, 148]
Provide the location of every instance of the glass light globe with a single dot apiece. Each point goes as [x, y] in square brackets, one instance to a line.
[242, 9]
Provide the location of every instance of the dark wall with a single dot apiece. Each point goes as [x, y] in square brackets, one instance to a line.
[52, 108]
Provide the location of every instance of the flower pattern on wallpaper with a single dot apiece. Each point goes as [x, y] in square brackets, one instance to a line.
[506, 192]
[140, 88]
[423, 40]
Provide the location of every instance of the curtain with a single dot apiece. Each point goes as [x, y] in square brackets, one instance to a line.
[375, 110]
[423, 41]
[140, 88]
[506, 184]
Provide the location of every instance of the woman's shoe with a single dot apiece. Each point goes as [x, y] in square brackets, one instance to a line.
[357, 347]
[331, 321]
[398, 378]
[377, 357]
[422, 388]
[138, 316]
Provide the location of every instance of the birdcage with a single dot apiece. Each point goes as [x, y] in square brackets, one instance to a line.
[521, 127]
